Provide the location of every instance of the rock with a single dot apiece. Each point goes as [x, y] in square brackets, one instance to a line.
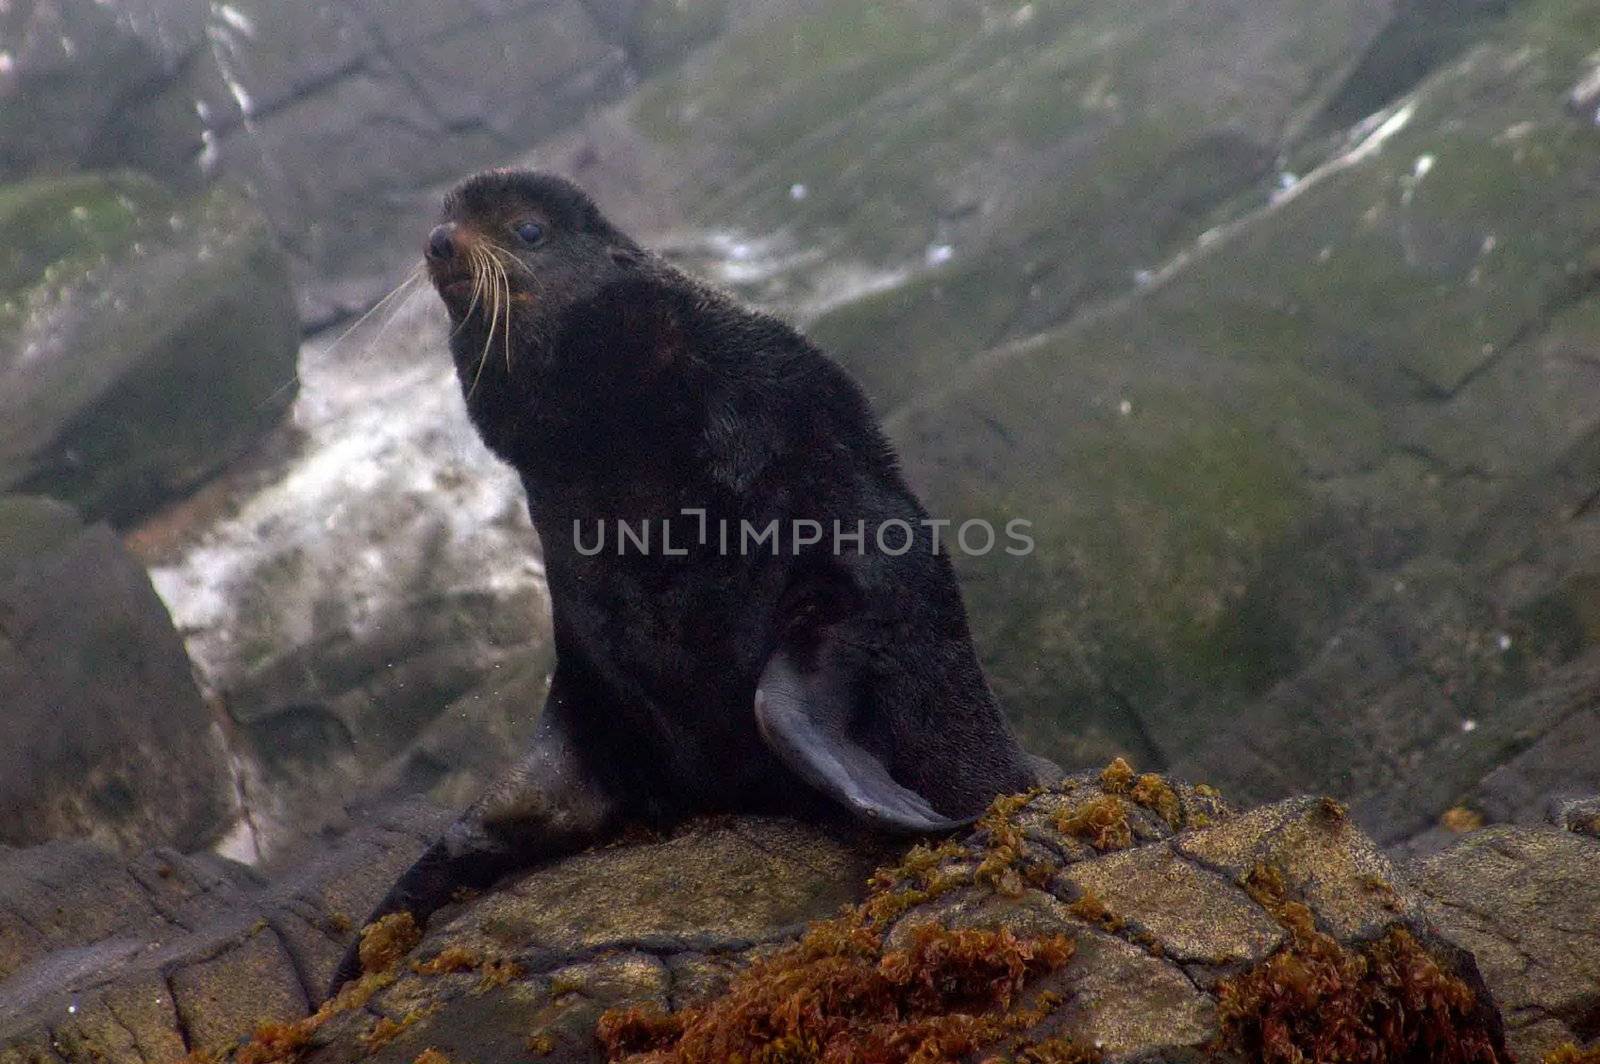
[1146, 963]
[31, 528]
[76, 86]
[66, 895]
[1288, 526]
[103, 734]
[1581, 815]
[658, 34]
[1523, 901]
[149, 339]
[147, 958]
[1277, 545]
[1124, 913]
[341, 118]
[459, 753]
[369, 609]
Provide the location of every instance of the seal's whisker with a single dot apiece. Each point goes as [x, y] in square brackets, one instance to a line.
[506, 258]
[413, 277]
[477, 289]
[399, 309]
[410, 279]
[505, 302]
[500, 258]
[494, 319]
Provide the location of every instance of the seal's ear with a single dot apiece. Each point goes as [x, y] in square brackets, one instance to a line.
[625, 257]
[803, 716]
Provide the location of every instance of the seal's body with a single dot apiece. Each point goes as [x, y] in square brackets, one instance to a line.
[749, 609]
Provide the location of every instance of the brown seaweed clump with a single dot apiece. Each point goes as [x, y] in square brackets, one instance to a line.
[385, 1030]
[1157, 795]
[1571, 1054]
[838, 995]
[383, 944]
[1461, 820]
[449, 960]
[493, 971]
[1101, 822]
[281, 1043]
[1003, 844]
[1315, 1000]
[1117, 777]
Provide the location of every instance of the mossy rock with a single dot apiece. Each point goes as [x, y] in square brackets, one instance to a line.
[151, 338]
[1111, 917]
[1121, 917]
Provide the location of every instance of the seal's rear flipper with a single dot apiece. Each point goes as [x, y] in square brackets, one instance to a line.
[804, 716]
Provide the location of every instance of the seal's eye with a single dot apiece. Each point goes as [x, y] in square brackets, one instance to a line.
[530, 232]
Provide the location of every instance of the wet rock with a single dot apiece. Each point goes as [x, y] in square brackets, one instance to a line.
[103, 734]
[148, 339]
[1149, 956]
[1523, 901]
[1581, 815]
[1277, 545]
[370, 609]
[78, 83]
[459, 753]
[1076, 884]
[111, 959]
[341, 118]
[65, 895]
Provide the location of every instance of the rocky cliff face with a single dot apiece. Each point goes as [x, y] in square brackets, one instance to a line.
[342, 117]
[1113, 917]
[1277, 320]
[1281, 340]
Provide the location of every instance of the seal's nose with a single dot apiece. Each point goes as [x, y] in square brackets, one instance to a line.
[441, 242]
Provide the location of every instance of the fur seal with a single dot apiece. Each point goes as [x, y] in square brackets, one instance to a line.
[703, 675]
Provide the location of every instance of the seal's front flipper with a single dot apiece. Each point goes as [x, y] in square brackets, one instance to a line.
[464, 859]
[804, 717]
[548, 805]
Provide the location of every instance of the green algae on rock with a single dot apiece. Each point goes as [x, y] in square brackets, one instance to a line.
[150, 338]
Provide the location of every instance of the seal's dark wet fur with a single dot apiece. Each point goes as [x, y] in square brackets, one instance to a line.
[714, 679]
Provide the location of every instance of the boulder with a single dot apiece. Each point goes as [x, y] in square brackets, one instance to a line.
[83, 85]
[146, 958]
[1115, 918]
[1308, 497]
[342, 118]
[1281, 341]
[147, 339]
[368, 609]
[102, 732]
[1523, 901]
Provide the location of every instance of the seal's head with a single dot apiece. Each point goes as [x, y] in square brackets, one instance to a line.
[514, 251]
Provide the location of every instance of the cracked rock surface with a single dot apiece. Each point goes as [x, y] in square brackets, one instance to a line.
[1526, 902]
[1168, 896]
[109, 959]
